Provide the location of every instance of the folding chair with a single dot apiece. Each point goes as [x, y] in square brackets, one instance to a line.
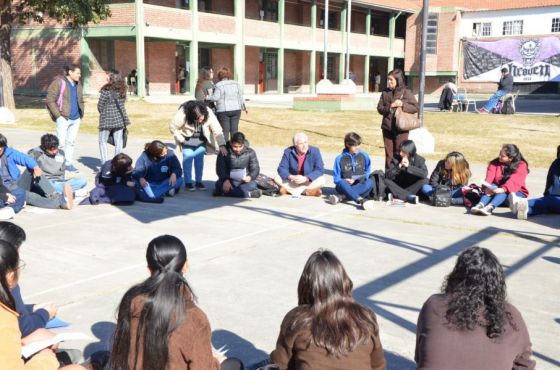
[462, 101]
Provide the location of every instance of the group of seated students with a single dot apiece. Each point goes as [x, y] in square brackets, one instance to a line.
[468, 325]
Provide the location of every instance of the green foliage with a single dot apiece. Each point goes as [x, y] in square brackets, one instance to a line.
[73, 13]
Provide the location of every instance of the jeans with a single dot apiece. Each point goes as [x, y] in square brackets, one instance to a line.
[491, 103]
[355, 191]
[428, 190]
[103, 136]
[241, 191]
[195, 153]
[76, 183]
[497, 200]
[161, 188]
[546, 204]
[40, 194]
[67, 131]
[229, 121]
[19, 193]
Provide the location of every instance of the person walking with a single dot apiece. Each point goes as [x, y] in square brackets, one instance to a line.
[65, 103]
[113, 118]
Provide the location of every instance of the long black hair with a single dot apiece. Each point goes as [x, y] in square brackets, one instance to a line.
[193, 109]
[338, 323]
[476, 291]
[12, 233]
[165, 296]
[513, 153]
[9, 260]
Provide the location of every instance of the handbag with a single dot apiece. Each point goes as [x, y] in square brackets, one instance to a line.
[442, 196]
[406, 121]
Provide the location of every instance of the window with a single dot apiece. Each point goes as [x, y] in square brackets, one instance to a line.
[104, 52]
[482, 29]
[513, 28]
[555, 25]
[333, 19]
[271, 64]
[431, 34]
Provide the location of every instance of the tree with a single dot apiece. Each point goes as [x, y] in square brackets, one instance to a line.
[71, 13]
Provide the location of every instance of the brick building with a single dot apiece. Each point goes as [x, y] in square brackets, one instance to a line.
[271, 45]
[453, 24]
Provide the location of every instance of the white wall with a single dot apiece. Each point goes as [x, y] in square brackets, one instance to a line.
[536, 21]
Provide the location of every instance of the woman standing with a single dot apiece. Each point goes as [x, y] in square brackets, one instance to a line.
[196, 131]
[328, 329]
[159, 325]
[205, 86]
[470, 325]
[113, 118]
[229, 102]
[397, 95]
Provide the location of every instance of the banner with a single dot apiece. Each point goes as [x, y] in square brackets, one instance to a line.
[528, 60]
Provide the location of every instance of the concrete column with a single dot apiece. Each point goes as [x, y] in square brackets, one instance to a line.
[366, 63]
[85, 58]
[281, 12]
[313, 54]
[193, 47]
[341, 58]
[391, 62]
[239, 47]
[140, 52]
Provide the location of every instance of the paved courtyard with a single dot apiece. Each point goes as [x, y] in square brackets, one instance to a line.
[246, 257]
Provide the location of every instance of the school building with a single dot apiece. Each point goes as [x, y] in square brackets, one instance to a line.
[273, 46]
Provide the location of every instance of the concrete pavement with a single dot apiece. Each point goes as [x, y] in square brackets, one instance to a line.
[246, 257]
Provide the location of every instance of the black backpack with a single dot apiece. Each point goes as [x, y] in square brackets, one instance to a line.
[378, 191]
[442, 196]
[267, 185]
[507, 106]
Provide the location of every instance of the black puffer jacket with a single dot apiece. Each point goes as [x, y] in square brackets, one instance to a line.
[247, 159]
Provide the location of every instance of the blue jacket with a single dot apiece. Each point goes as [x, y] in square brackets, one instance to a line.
[28, 320]
[346, 165]
[15, 158]
[312, 166]
[159, 170]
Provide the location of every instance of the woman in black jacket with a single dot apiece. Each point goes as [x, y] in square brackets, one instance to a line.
[396, 95]
[407, 173]
[238, 170]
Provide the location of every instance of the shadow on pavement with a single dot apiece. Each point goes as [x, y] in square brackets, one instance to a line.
[103, 330]
[238, 347]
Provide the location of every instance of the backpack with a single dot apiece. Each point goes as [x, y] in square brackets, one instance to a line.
[507, 106]
[442, 196]
[60, 99]
[378, 191]
[267, 185]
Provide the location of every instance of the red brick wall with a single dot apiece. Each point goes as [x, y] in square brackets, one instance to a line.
[358, 20]
[298, 13]
[160, 65]
[170, 3]
[252, 9]
[357, 63]
[251, 69]
[222, 6]
[296, 69]
[163, 17]
[120, 16]
[222, 58]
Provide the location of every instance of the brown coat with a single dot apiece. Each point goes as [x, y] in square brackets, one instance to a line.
[293, 351]
[440, 348]
[410, 105]
[189, 345]
[52, 96]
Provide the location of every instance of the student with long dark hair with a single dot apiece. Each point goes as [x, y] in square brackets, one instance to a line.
[504, 175]
[159, 325]
[396, 95]
[406, 174]
[470, 325]
[158, 171]
[454, 172]
[328, 329]
[205, 86]
[113, 118]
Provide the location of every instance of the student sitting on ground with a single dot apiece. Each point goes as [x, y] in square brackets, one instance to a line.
[237, 170]
[158, 171]
[470, 325]
[301, 169]
[351, 172]
[52, 162]
[9, 202]
[159, 325]
[453, 172]
[549, 203]
[38, 190]
[504, 175]
[11, 340]
[406, 174]
[30, 318]
[328, 329]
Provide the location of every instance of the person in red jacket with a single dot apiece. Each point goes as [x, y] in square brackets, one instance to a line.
[504, 175]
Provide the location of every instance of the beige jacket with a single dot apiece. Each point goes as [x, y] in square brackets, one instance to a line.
[212, 130]
[10, 346]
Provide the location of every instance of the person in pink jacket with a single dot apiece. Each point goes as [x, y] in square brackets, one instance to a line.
[504, 175]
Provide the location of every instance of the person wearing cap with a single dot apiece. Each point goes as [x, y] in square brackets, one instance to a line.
[505, 86]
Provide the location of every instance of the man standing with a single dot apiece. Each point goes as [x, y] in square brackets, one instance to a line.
[301, 169]
[65, 102]
[505, 86]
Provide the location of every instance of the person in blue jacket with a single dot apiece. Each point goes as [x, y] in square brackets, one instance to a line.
[351, 172]
[158, 171]
[301, 169]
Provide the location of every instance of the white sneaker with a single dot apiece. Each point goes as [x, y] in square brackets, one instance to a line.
[333, 199]
[476, 209]
[486, 211]
[513, 201]
[367, 204]
[390, 197]
[522, 209]
[81, 193]
[6, 213]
